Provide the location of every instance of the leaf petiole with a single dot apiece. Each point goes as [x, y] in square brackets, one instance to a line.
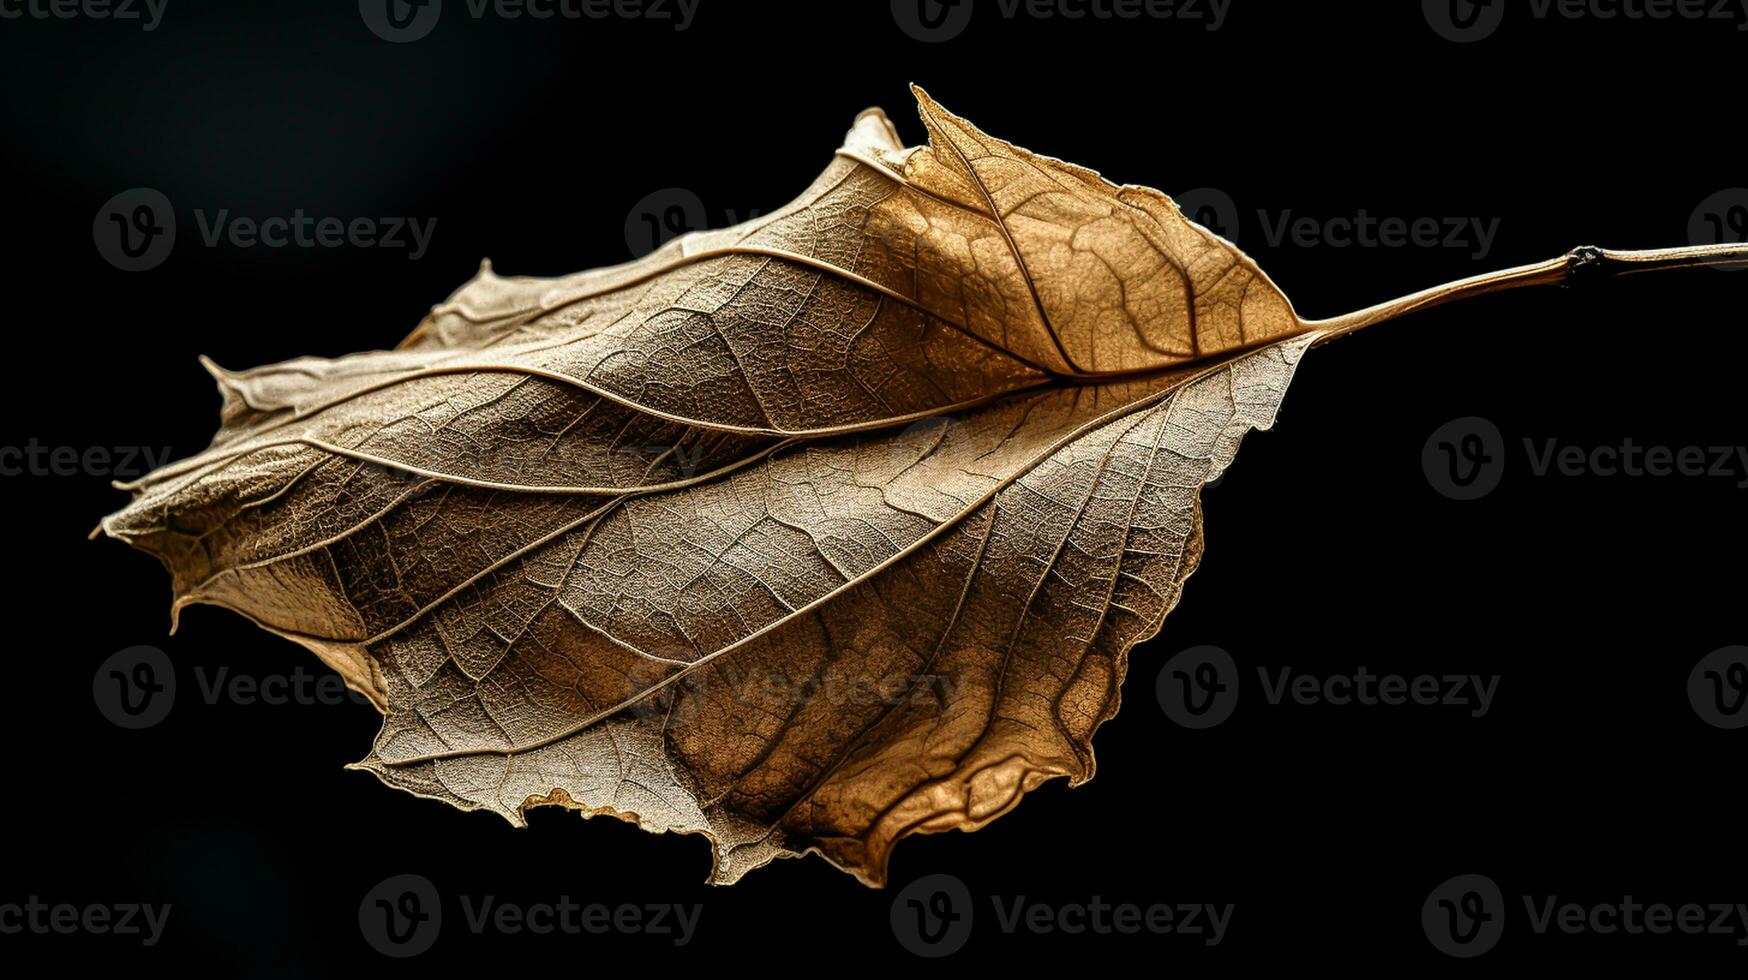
[1582, 262]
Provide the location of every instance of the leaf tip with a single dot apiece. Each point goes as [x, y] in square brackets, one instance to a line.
[925, 102]
[181, 602]
[212, 367]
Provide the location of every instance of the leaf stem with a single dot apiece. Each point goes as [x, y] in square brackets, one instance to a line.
[1584, 261]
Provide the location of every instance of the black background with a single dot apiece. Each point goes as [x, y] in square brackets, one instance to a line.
[531, 142]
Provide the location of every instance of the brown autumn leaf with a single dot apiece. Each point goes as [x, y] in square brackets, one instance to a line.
[805, 535]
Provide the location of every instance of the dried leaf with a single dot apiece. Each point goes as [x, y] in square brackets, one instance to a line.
[805, 535]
